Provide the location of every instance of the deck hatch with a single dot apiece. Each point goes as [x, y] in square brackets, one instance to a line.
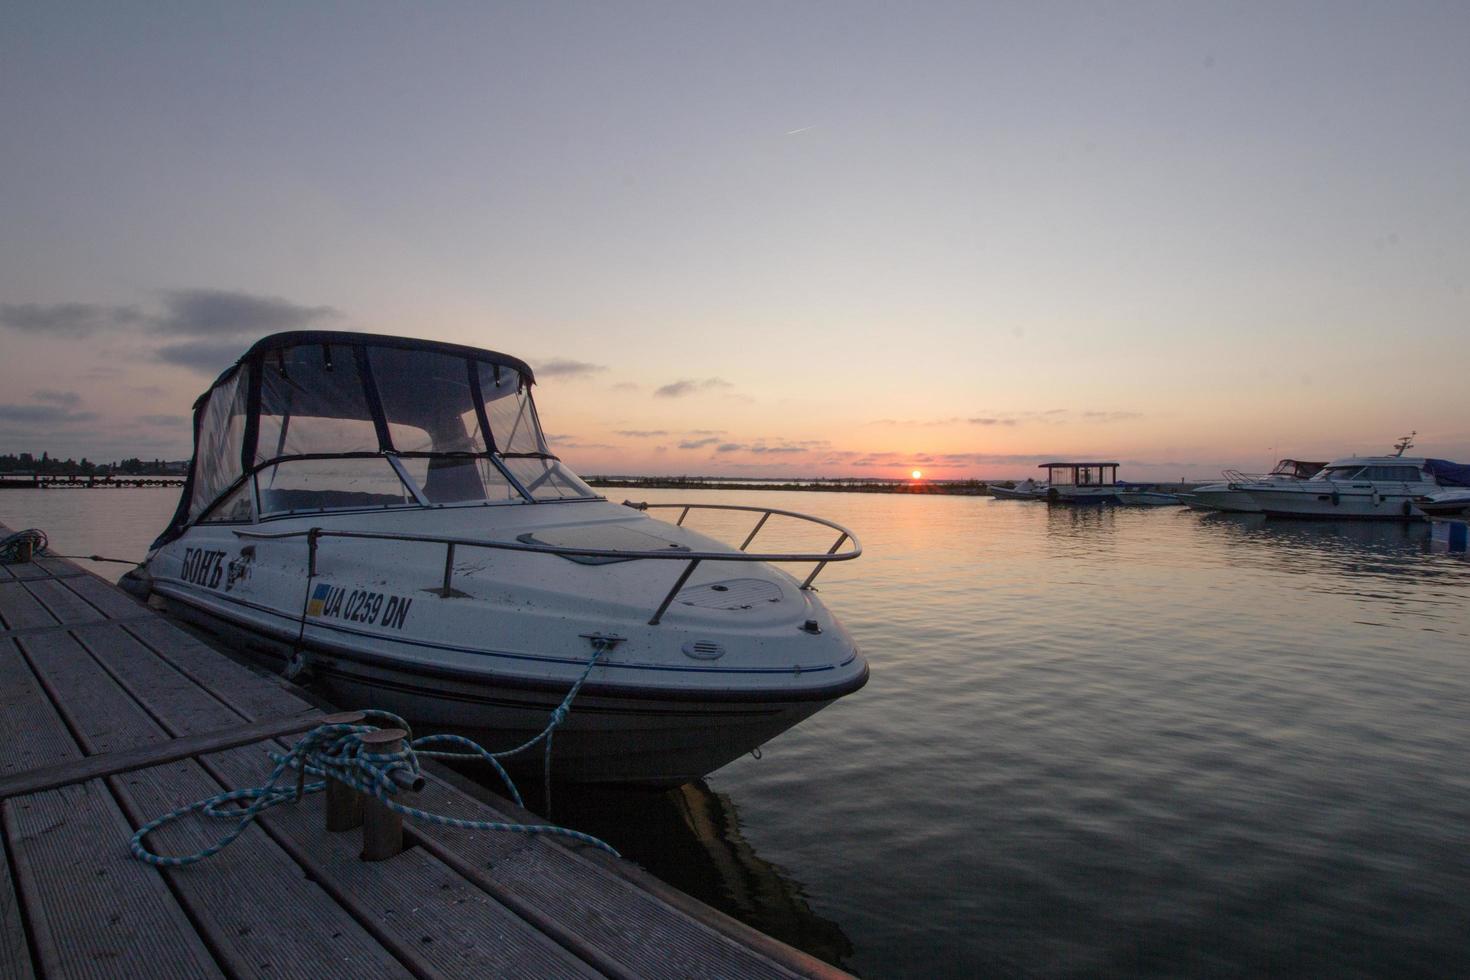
[734, 593]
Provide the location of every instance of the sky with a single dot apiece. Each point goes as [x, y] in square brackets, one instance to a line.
[760, 239]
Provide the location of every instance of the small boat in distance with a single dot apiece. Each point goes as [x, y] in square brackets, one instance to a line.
[386, 512]
[1145, 495]
[1081, 483]
[1027, 489]
[1454, 502]
[1227, 496]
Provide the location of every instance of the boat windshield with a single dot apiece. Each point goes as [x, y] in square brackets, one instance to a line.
[1297, 469]
[1341, 473]
[351, 421]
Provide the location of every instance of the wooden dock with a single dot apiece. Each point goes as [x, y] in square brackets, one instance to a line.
[110, 716]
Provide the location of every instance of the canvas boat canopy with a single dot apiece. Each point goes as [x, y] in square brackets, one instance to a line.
[1448, 474]
[312, 421]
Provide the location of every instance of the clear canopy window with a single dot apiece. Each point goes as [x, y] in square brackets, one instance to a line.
[447, 425]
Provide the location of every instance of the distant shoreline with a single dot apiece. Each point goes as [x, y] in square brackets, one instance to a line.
[959, 488]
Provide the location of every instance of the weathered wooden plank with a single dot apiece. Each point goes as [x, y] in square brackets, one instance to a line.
[113, 601]
[30, 729]
[570, 895]
[92, 909]
[64, 604]
[260, 915]
[6, 575]
[413, 903]
[28, 571]
[20, 610]
[15, 953]
[54, 566]
[398, 912]
[235, 899]
[95, 708]
[168, 695]
[155, 754]
[249, 692]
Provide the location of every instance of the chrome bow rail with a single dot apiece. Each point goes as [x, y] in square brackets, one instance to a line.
[693, 558]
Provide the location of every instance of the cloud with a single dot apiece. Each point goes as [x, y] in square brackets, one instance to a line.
[991, 421]
[209, 356]
[1112, 416]
[560, 367]
[230, 313]
[679, 389]
[626, 386]
[69, 399]
[778, 449]
[926, 422]
[43, 414]
[164, 420]
[729, 447]
[704, 432]
[642, 433]
[66, 319]
[698, 443]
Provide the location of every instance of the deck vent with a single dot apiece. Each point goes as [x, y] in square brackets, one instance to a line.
[703, 650]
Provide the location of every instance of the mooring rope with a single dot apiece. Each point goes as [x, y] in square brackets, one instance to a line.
[11, 549]
[11, 546]
[336, 751]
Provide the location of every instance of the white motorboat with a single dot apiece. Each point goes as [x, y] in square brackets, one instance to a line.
[1081, 483]
[387, 513]
[1145, 496]
[1453, 502]
[1227, 496]
[1027, 489]
[1384, 488]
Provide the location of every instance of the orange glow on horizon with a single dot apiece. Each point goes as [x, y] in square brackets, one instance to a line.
[917, 475]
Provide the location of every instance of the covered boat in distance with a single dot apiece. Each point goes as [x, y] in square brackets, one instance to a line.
[1081, 483]
[386, 512]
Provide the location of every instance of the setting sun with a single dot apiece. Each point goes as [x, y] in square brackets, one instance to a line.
[917, 475]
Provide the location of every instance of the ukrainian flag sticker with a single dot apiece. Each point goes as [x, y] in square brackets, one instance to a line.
[318, 600]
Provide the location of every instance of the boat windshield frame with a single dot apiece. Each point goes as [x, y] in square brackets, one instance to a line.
[243, 428]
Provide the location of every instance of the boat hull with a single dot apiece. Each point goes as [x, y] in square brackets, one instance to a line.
[1005, 493]
[1340, 503]
[1147, 498]
[1222, 498]
[1081, 496]
[629, 736]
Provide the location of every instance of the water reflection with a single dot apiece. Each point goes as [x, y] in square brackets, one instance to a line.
[690, 837]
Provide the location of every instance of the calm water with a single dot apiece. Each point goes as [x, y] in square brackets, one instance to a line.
[1096, 741]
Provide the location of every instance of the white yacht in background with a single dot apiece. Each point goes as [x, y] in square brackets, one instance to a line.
[1382, 488]
[1081, 483]
[1228, 496]
[386, 511]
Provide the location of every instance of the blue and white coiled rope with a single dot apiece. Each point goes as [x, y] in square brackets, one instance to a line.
[337, 751]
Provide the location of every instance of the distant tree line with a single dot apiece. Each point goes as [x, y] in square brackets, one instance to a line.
[48, 465]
